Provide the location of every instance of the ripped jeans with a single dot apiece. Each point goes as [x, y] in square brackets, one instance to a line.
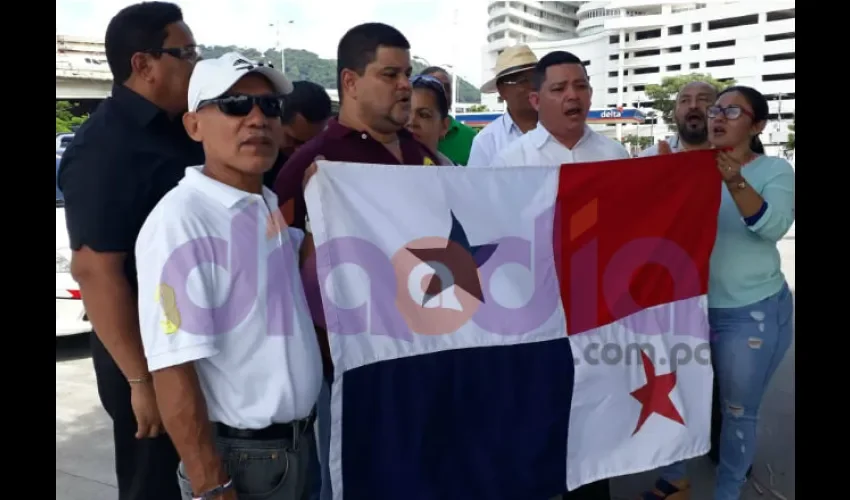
[747, 345]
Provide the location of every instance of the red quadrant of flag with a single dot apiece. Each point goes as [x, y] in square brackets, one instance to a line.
[637, 239]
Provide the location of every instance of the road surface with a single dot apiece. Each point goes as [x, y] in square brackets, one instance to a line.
[84, 467]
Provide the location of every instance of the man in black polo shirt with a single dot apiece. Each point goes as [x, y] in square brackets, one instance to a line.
[131, 152]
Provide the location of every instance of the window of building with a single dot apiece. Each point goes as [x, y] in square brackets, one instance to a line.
[787, 56]
[719, 62]
[647, 35]
[674, 67]
[779, 36]
[674, 30]
[694, 65]
[647, 53]
[781, 15]
[778, 77]
[647, 71]
[672, 50]
[733, 22]
[694, 46]
[717, 45]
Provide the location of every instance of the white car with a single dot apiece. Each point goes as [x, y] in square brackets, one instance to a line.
[71, 318]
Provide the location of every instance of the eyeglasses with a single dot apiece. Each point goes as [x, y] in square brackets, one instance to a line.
[241, 105]
[189, 53]
[522, 80]
[731, 112]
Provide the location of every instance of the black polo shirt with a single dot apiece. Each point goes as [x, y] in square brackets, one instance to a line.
[122, 161]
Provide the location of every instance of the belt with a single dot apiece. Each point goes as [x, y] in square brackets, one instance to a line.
[288, 430]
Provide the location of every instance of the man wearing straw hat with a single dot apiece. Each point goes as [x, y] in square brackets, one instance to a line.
[513, 70]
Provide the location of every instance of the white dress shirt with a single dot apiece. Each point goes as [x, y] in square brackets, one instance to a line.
[538, 148]
[244, 320]
[493, 139]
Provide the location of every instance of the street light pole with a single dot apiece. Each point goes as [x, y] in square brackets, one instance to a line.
[279, 42]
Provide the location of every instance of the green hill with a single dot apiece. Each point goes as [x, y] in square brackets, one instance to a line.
[305, 65]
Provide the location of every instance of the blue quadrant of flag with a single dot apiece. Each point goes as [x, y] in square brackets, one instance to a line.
[432, 426]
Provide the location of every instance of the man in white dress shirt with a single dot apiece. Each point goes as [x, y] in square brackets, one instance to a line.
[224, 321]
[514, 69]
[561, 95]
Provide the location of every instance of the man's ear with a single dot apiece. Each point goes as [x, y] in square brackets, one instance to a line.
[141, 66]
[348, 78]
[193, 126]
[534, 100]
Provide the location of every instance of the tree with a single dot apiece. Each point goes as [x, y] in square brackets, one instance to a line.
[792, 135]
[641, 142]
[65, 119]
[664, 94]
[306, 65]
[478, 108]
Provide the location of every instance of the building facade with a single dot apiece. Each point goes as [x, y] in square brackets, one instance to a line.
[627, 45]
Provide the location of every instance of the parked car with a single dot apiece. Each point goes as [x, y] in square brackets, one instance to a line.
[63, 141]
[71, 318]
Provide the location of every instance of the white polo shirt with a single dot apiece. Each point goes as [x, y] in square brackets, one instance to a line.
[538, 147]
[244, 320]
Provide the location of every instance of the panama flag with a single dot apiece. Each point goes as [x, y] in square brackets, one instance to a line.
[514, 333]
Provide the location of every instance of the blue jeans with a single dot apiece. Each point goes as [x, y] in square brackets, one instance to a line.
[747, 345]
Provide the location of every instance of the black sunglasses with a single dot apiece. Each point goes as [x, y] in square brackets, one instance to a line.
[241, 105]
[188, 53]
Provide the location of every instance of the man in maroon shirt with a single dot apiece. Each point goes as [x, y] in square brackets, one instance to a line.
[373, 80]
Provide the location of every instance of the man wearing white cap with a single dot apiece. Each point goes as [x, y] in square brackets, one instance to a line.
[514, 69]
[224, 321]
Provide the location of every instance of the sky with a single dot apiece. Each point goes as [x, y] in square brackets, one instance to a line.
[317, 25]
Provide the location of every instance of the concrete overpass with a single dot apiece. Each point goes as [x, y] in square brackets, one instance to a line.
[78, 83]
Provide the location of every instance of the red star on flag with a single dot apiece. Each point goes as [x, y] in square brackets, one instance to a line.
[654, 396]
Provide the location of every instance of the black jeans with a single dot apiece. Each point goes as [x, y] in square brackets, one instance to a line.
[146, 467]
[600, 490]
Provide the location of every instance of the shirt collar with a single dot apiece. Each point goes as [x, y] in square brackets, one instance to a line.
[139, 108]
[539, 136]
[336, 130]
[508, 123]
[228, 196]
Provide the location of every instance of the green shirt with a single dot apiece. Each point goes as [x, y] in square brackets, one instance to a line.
[458, 142]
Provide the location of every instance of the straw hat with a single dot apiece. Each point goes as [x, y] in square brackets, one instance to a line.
[512, 60]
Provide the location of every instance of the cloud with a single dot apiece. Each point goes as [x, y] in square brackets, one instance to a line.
[317, 25]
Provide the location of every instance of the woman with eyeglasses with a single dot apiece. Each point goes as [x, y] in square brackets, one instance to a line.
[429, 114]
[750, 304]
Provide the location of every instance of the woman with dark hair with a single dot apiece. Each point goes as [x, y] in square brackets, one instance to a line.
[429, 114]
[750, 304]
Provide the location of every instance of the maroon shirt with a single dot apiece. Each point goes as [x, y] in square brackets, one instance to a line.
[336, 143]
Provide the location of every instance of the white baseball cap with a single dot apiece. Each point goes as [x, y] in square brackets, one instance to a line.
[211, 78]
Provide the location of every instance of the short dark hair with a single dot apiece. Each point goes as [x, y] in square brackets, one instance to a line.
[357, 48]
[430, 70]
[137, 28]
[553, 59]
[307, 99]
